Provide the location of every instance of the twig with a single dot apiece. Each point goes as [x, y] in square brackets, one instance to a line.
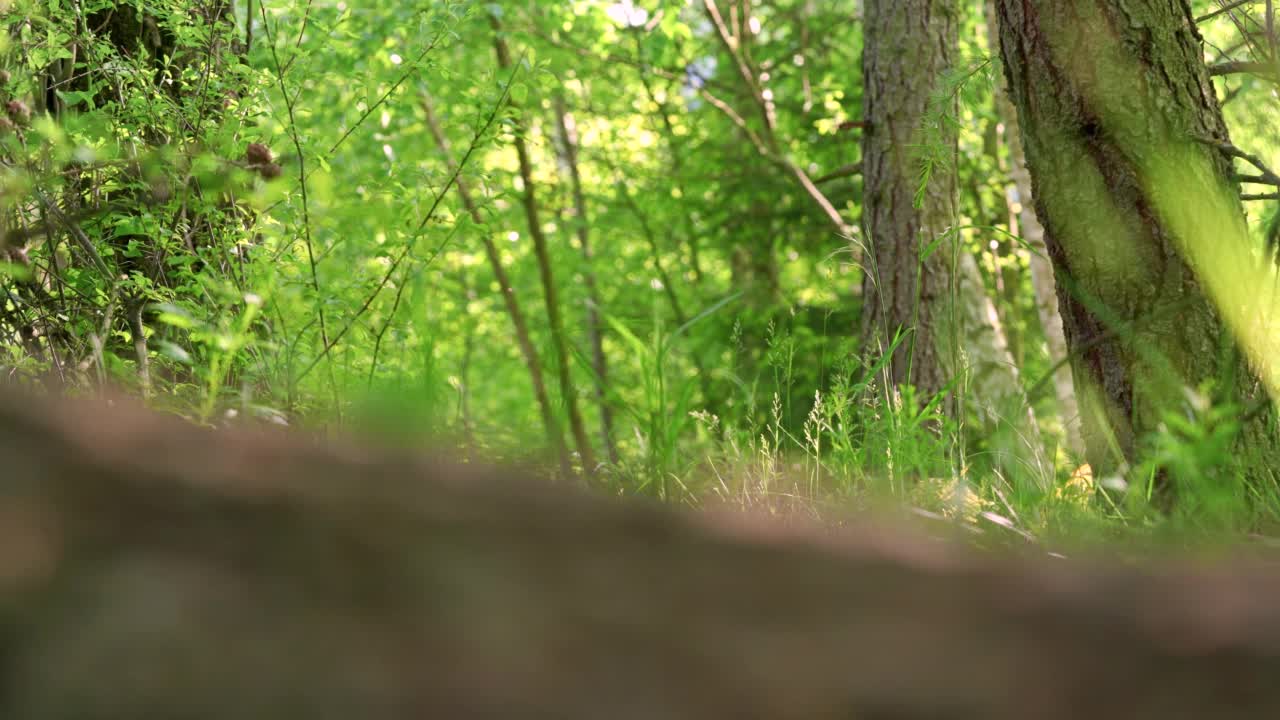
[302, 182]
[1267, 176]
[841, 172]
[453, 178]
[518, 324]
[1236, 67]
[413, 68]
[1224, 9]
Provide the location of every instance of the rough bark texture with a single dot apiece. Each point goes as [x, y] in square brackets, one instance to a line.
[149, 569]
[940, 299]
[908, 46]
[1113, 98]
[1032, 234]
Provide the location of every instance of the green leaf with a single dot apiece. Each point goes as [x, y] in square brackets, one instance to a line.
[174, 316]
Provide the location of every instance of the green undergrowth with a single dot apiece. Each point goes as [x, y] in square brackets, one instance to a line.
[852, 446]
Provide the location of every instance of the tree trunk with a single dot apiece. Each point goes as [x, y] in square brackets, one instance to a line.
[993, 384]
[908, 46]
[150, 569]
[1032, 234]
[1142, 220]
[917, 280]
[519, 325]
[541, 249]
[582, 221]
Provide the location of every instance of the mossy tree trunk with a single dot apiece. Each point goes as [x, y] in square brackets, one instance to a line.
[1142, 219]
[1031, 233]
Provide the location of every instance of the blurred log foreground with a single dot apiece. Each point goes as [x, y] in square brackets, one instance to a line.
[154, 571]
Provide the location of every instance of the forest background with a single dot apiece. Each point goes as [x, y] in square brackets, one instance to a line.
[655, 247]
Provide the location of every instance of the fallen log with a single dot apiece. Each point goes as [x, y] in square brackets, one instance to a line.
[151, 569]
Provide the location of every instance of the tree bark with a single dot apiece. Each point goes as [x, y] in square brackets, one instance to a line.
[908, 46]
[917, 278]
[1032, 234]
[150, 569]
[1142, 220]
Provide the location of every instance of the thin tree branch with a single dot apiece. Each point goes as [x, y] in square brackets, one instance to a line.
[542, 252]
[518, 323]
[845, 171]
[302, 183]
[1224, 9]
[417, 232]
[1236, 67]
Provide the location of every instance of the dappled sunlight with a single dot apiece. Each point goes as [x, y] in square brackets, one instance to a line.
[775, 254]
